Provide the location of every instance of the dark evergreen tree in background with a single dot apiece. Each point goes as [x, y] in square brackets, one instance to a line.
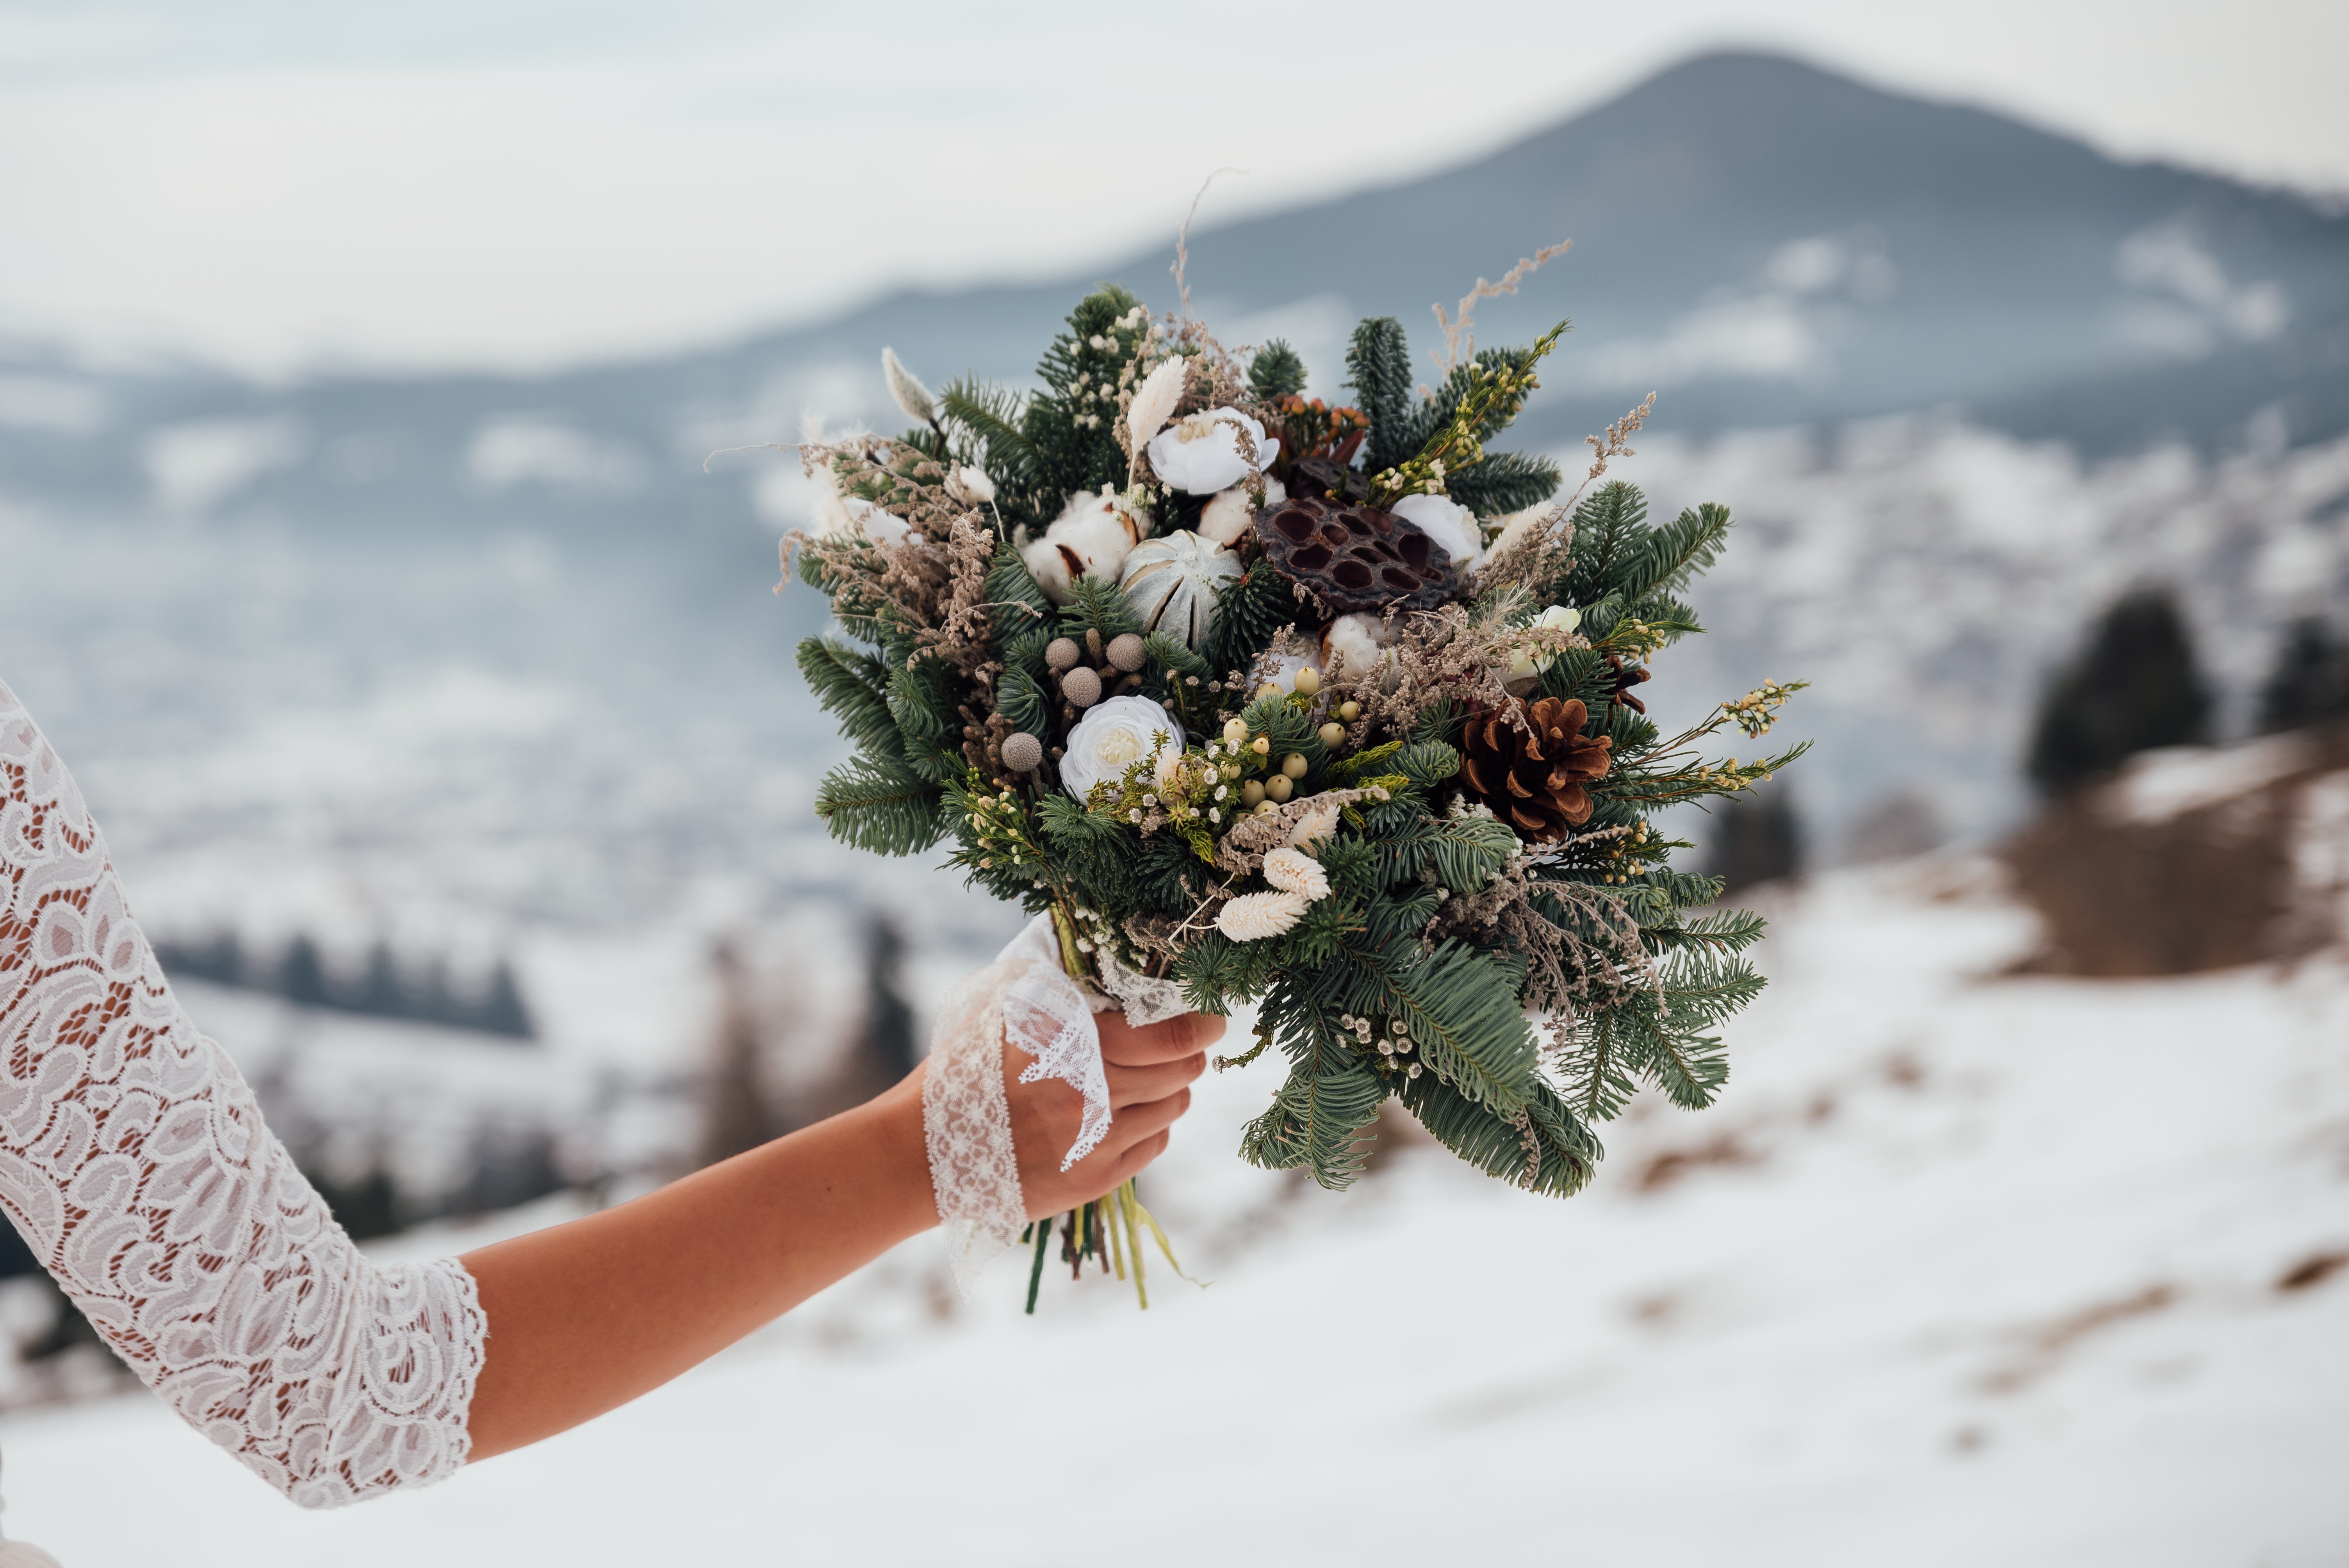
[2135, 686]
[888, 1045]
[302, 975]
[2311, 681]
[1757, 838]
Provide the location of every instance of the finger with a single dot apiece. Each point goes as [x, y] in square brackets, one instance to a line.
[1139, 1121]
[1123, 1045]
[1133, 1161]
[1133, 1086]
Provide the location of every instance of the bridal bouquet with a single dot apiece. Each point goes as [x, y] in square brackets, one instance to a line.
[1249, 697]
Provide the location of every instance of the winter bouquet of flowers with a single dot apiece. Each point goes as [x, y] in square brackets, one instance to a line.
[1249, 698]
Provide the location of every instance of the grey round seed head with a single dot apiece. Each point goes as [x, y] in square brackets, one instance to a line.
[1081, 686]
[1063, 654]
[1023, 753]
[1126, 651]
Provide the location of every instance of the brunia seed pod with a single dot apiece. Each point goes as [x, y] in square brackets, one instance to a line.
[1126, 652]
[1023, 753]
[1061, 654]
[1081, 686]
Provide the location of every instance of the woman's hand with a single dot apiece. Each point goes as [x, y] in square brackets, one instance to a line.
[1150, 1071]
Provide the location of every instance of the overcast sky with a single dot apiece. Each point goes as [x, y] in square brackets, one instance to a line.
[281, 185]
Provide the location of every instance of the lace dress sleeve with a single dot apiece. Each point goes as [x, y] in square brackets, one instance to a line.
[134, 1160]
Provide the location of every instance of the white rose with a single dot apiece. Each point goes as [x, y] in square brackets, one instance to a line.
[1200, 453]
[1091, 538]
[1525, 664]
[1153, 401]
[1447, 522]
[1232, 512]
[1115, 733]
[1354, 645]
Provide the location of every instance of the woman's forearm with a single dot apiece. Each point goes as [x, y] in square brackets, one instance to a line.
[588, 1315]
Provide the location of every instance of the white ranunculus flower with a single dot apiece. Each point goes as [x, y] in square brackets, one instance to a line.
[1232, 512]
[1354, 645]
[1154, 400]
[1115, 733]
[1447, 522]
[1091, 538]
[1525, 663]
[1200, 453]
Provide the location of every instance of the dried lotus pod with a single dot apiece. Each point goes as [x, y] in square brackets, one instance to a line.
[1172, 583]
[1355, 557]
[1081, 686]
[1126, 652]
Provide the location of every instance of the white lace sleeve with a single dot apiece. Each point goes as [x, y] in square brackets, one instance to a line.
[134, 1160]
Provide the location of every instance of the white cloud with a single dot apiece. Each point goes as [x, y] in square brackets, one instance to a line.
[2171, 258]
[50, 403]
[193, 468]
[526, 449]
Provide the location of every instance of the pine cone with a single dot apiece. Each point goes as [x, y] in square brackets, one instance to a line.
[1624, 677]
[1355, 557]
[1532, 779]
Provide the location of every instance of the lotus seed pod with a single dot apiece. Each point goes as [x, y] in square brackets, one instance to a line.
[1063, 654]
[1333, 735]
[1252, 794]
[1308, 681]
[1235, 731]
[1280, 787]
[1126, 651]
[1023, 753]
[1261, 745]
[1350, 711]
[1081, 686]
[1293, 765]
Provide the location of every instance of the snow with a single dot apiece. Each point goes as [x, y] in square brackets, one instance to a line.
[1965, 1268]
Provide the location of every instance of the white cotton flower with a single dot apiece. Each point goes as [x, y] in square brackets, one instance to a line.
[1354, 647]
[1525, 663]
[1317, 824]
[910, 395]
[1115, 733]
[1153, 401]
[1200, 453]
[1254, 916]
[1447, 522]
[1091, 538]
[1232, 512]
[1294, 870]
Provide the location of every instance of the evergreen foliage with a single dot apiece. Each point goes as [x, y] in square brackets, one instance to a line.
[2135, 686]
[2309, 683]
[1510, 991]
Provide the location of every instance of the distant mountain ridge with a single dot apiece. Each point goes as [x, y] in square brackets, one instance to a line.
[1763, 242]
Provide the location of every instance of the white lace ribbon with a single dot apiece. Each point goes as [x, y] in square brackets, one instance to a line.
[1027, 1001]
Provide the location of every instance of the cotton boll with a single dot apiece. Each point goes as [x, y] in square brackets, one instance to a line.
[1200, 453]
[1519, 526]
[1353, 647]
[1055, 568]
[1153, 402]
[1447, 522]
[1232, 512]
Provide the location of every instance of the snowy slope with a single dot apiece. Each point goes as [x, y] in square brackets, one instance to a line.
[1964, 1269]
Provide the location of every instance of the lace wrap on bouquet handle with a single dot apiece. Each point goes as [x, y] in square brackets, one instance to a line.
[134, 1161]
[1026, 1000]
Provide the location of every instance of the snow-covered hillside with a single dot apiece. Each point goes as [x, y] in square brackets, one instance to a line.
[1965, 1268]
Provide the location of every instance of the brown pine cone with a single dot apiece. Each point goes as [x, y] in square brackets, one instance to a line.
[1625, 678]
[1532, 779]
